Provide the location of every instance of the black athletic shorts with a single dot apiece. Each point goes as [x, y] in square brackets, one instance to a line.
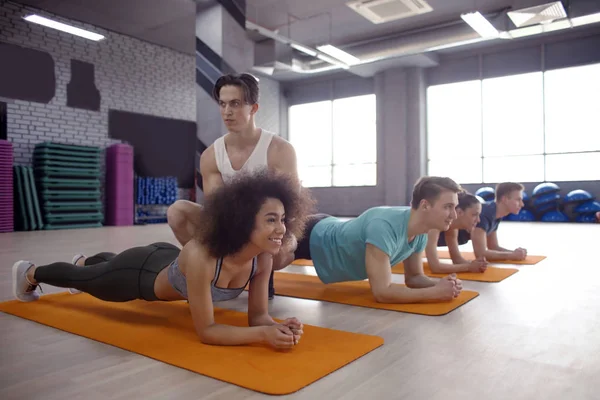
[303, 249]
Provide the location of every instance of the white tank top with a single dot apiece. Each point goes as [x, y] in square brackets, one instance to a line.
[257, 159]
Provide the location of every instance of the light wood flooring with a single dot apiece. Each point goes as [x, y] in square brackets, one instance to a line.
[535, 335]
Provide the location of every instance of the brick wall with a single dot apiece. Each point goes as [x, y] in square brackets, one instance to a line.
[130, 74]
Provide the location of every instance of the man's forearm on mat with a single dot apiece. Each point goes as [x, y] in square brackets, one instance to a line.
[227, 335]
[261, 320]
[492, 255]
[396, 294]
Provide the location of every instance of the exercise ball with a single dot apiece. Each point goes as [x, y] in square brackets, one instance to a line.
[481, 200]
[589, 217]
[487, 193]
[545, 188]
[547, 198]
[525, 196]
[523, 215]
[577, 196]
[555, 216]
[588, 207]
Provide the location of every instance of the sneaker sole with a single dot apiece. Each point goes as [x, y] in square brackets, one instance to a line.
[15, 268]
[74, 261]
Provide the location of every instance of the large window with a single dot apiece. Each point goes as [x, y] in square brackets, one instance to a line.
[335, 141]
[541, 126]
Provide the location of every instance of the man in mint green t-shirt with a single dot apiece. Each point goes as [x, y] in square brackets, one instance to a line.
[368, 246]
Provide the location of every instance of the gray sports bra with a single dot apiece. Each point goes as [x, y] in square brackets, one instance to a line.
[179, 283]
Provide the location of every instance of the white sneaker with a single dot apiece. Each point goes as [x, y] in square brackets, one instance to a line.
[22, 289]
[76, 258]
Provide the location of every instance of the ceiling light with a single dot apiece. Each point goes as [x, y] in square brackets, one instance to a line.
[36, 19]
[538, 14]
[339, 54]
[332, 60]
[304, 49]
[480, 25]
[586, 19]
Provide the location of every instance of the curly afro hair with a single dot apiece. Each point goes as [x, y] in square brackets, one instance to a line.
[228, 214]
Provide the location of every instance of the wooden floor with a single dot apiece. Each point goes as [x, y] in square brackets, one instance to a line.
[535, 335]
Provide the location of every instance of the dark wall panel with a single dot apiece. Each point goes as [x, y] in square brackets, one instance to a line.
[163, 146]
[3, 122]
[512, 62]
[26, 74]
[81, 90]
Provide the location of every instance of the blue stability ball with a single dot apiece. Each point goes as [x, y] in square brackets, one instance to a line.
[481, 200]
[589, 217]
[486, 193]
[523, 215]
[588, 207]
[525, 196]
[555, 216]
[547, 198]
[577, 196]
[545, 188]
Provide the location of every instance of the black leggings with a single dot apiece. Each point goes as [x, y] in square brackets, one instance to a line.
[127, 276]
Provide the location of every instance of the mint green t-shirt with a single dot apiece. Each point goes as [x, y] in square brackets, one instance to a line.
[338, 247]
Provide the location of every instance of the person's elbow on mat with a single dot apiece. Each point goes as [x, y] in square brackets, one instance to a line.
[418, 287]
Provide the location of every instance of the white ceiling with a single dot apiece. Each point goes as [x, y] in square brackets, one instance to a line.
[171, 23]
[316, 22]
[168, 23]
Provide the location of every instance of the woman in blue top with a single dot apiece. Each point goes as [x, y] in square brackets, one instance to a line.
[241, 220]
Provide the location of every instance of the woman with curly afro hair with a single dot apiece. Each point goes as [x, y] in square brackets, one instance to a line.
[242, 220]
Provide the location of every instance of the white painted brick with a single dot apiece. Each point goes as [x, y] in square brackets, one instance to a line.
[131, 75]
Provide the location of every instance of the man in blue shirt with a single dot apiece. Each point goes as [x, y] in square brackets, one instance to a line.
[368, 246]
[508, 200]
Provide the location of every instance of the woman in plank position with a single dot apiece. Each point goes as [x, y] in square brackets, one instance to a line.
[241, 220]
[467, 218]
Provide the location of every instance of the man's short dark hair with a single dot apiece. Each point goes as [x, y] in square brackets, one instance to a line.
[247, 82]
[430, 187]
[506, 188]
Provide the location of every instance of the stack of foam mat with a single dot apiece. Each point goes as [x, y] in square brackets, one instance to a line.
[26, 206]
[68, 182]
[6, 187]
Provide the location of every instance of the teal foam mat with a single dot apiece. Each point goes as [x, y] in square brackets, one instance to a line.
[57, 217]
[74, 172]
[66, 146]
[72, 163]
[53, 194]
[72, 206]
[72, 226]
[48, 182]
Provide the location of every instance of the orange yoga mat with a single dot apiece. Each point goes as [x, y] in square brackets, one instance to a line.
[469, 255]
[492, 274]
[357, 294]
[164, 331]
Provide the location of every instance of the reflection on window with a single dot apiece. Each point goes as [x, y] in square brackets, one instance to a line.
[335, 141]
[516, 128]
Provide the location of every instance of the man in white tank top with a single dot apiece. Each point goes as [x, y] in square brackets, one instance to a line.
[244, 148]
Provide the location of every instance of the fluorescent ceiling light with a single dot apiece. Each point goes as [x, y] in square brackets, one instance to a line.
[339, 54]
[480, 25]
[586, 19]
[332, 60]
[304, 49]
[36, 19]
